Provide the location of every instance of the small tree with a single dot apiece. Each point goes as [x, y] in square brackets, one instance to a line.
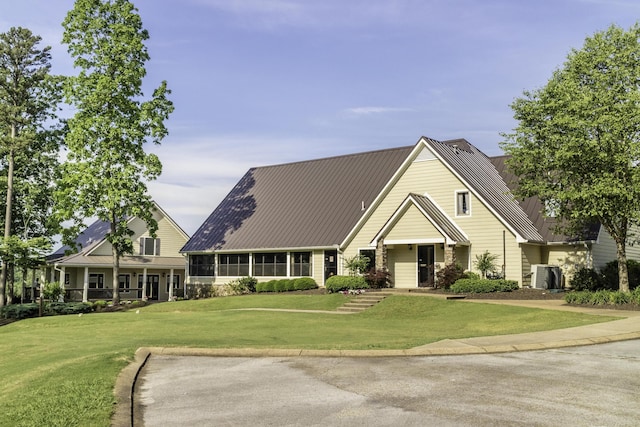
[486, 263]
[357, 264]
[106, 170]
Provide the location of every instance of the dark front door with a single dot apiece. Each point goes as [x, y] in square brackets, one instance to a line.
[426, 264]
[153, 282]
[330, 264]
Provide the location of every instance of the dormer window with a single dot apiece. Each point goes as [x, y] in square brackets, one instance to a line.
[149, 246]
[463, 203]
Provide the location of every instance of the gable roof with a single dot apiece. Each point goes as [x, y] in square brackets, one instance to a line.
[306, 204]
[440, 220]
[96, 233]
[481, 176]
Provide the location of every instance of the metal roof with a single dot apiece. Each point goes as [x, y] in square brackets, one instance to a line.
[534, 209]
[477, 170]
[127, 261]
[306, 204]
[440, 219]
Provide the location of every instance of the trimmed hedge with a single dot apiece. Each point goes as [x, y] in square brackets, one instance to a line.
[483, 286]
[343, 283]
[287, 285]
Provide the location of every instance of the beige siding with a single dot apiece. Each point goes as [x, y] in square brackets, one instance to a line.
[431, 177]
[405, 270]
[569, 258]
[413, 225]
[531, 254]
[604, 250]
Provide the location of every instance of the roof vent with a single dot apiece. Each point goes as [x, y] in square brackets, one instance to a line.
[455, 148]
[362, 206]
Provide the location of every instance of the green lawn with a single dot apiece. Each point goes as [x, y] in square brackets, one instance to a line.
[60, 371]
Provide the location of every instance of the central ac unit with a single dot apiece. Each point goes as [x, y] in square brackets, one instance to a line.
[545, 276]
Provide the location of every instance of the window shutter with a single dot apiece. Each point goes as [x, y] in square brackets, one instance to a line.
[141, 246]
[158, 247]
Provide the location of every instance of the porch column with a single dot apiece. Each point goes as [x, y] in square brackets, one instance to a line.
[144, 284]
[85, 285]
[381, 256]
[170, 284]
[61, 281]
[449, 254]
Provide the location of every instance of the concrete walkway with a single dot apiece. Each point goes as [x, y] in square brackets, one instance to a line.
[627, 328]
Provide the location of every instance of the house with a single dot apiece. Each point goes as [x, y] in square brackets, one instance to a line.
[155, 271]
[412, 210]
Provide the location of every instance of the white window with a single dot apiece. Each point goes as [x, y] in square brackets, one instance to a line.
[176, 282]
[124, 282]
[463, 203]
[149, 246]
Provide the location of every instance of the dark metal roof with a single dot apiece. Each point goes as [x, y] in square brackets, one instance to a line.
[534, 209]
[87, 240]
[440, 219]
[306, 204]
[477, 170]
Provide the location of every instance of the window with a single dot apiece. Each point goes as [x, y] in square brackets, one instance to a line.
[301, 263]
[149, 246]
[96, 281]
[371, 254]
[233, 265]
[67, 279]
[270, 264]
[124, 282]
[201, 265]
[463, 206]
[176, 282]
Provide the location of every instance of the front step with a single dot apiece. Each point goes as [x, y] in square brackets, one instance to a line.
[362, 302]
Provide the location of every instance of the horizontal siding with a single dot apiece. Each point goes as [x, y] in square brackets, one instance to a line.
[413, 225]
[405, 272]
[484, 229]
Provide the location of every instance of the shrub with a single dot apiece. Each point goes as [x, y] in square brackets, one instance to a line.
[249, 283]
[377, 279]
[304, 283]
[52, 291]
[357, 264]
[448, 275]
[290, 285]
[19, 311]
[586, 279]
[99, 305]
[471, 275]
[610, 275]
[483, 286]
[199, 290]
[280, 285]
[266, 286]
[486, 263]
[342, 283]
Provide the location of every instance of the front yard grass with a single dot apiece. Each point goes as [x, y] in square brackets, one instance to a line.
[60, 371]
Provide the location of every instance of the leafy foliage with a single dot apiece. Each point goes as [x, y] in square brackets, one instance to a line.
[486, 263]
[342, 283]
[448, 275]
[576, 145]
[483, 286]
[357, 264]
[29, 136]
[106, 170]
[378, 279]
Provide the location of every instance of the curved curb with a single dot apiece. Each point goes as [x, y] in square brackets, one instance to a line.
[125, 414]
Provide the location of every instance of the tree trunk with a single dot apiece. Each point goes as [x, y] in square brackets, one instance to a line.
[7, 219]
[116, 266]
[623, 274]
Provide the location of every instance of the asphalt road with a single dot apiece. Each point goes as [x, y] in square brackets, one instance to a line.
[580, 386]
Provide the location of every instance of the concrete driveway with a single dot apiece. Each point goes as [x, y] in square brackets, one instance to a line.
[595, 385]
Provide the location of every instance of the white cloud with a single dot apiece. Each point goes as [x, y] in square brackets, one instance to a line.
[366, 111]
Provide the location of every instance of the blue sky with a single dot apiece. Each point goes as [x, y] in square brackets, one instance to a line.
[260, 82]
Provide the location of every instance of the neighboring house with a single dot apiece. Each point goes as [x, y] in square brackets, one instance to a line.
[411, 209]
[155, 271]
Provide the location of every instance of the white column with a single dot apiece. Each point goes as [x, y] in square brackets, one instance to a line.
[144, 284]
[171, 284]
[85, 285]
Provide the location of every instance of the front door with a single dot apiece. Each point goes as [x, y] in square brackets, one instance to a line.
[330, 264]
[426, 266]
[153, 282]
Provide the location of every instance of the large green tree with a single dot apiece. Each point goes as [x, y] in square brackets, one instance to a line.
[28, 103]
[577, 143]
[107, 168]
